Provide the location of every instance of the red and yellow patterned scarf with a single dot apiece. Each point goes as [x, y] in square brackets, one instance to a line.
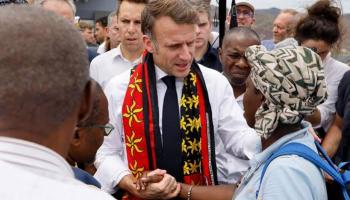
[141, 125]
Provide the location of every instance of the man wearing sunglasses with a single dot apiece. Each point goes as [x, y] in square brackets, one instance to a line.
[88, 137]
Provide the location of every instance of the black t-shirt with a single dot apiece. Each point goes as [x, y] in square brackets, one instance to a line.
[343, 110]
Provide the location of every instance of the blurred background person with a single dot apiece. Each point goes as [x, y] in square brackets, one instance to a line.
[245, 17]
[87, 31]
[64, 8]
[101, 33]
[205, 54]
[283, 29]
[128, 53]
[113, 38]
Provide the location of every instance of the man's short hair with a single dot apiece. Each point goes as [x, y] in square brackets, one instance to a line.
[69, 2]
[202, 6]
[96, 109]
[85, 25]
[180, 11]
[131, 1]
[244, 31]
[293, 20]
[110, 18]
[103, 21]
[43, 71]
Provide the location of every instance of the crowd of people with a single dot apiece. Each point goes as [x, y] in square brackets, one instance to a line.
[146, 105]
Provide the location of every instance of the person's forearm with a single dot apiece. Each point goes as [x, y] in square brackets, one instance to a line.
[218, 192]
[333, 137]
[315, 118]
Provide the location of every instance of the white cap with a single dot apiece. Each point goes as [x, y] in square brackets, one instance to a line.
[247, 3]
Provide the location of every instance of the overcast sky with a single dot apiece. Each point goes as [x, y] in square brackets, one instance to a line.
[296, 4]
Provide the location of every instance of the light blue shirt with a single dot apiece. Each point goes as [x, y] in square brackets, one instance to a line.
[268, 44]
[287, 177]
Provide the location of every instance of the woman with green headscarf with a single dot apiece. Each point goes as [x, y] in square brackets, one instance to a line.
[285, 85]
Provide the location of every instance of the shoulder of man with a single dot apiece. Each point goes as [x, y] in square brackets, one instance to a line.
[104, 56]
[211, 75]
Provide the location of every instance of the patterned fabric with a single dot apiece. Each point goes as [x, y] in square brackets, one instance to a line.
[292, 81]
[142, 133]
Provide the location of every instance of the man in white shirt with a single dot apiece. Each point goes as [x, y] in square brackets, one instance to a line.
[212, 134]
[44, 95]
[234, 62]
[101, 33]
[128, 53]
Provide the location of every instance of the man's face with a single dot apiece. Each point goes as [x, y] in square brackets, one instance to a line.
[252, 100]
[235, 66]
[91, 137]
[245, 16]
[113, 33]
[129, 23]
[100, 32]
[88, 35]
[280, 27]
[173, 46]
[204, 29]
[61, 8]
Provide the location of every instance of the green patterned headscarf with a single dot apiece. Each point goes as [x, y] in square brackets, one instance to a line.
[292, 81]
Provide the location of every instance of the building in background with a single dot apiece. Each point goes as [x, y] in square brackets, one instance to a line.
[94, 9]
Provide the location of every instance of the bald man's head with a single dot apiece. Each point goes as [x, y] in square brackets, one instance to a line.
[43, 69]
[232, 55]
[63, 8]
[240, 33]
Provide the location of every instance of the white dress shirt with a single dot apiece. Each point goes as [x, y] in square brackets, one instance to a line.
[239, 100]
[334, 72]
[235, 142]
[110, 64]
[33, 172]
[101, 48]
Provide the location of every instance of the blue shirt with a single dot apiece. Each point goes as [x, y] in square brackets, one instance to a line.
[343, 110]
[287, 177]
[85, 177]
[268, 44]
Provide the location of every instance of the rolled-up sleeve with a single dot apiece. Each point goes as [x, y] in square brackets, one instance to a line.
[239, 139]
[111, 160]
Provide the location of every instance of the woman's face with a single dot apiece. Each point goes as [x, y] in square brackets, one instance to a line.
[252, 100]
[318, 46]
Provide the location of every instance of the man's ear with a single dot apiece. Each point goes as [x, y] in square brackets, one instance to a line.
[77, 138]
[86, 100]
[148, 43]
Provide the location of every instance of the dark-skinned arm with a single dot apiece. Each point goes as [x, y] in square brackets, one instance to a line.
[218, 192]
[333, 137]
[315, 118]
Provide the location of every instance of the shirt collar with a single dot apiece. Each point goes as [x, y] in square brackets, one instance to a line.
[240, 97]
[264, 155]
[118, 53]
[33, 157]
[160, 74]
